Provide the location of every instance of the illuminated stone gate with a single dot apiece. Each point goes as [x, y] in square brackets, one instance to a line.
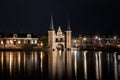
[59, 40]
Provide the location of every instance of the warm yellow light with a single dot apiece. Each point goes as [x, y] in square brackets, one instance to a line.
[75, 41]
[84, 38]
[31, 41]
[41, 44]
[7, 41]
[19, 42]
[1, 42]
[24, 42]
[11, 41]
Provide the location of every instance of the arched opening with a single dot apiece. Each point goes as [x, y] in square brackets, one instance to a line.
[60, 47]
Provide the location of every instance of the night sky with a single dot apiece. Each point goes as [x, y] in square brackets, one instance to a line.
[33, 16]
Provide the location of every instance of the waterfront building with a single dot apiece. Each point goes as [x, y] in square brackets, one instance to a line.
[96, 40]
[18, 41]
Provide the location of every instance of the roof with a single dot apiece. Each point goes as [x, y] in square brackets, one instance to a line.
[19, 35]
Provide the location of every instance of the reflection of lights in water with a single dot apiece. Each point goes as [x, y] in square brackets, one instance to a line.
[2, 61]
[24, 60]
[35, 60]
[75, 63]
[11, 61]
[96, 66]
[32, 57]
[75, 52]
[100, 66]
[35, 57]
[41, 61]
[85, 65]
[115, 67]
[19, 61]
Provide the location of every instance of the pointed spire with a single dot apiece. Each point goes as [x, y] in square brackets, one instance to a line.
[59, 32]
[68, 28]
[51, 23]
[59, 28]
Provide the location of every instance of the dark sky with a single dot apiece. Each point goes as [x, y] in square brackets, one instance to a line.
[34, 15]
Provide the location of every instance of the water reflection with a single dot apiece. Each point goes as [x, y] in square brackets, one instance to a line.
[59, 65]
[98, 65]
[56, 65]
[75, 64]
[19, 60]
[115, 66]
[85, 65]
[41, 61]
[2, 61]
[69, 65]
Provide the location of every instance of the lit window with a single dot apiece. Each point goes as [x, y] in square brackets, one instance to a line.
[11, 41]
[19, 42]
[24, 42]
[2, 42]
[41, 44]
[35, 41]
[31, 41]
[7, 41]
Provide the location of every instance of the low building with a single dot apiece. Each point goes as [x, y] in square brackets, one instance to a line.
[18, 41]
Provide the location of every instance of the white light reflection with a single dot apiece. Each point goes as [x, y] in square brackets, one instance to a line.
[98, 65]
[85, 65]
[11, 62]
[115, 67]
[75, 63]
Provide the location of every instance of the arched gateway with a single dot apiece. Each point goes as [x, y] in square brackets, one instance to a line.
[59, 40]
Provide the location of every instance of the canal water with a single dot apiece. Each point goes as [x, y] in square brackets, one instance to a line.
[58, 65]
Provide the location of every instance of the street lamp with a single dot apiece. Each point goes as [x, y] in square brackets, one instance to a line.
[84, 38]
[96, 37]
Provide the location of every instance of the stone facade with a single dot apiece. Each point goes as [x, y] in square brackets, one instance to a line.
[59, 40]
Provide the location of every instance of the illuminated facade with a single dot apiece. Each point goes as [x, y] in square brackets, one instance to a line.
[59, 40]
[100, 41]
[17, 41]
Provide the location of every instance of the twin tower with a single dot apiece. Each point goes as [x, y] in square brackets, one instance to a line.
[59, 40]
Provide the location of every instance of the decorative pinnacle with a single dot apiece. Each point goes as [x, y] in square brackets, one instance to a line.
[51, 23]
[68, 28]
